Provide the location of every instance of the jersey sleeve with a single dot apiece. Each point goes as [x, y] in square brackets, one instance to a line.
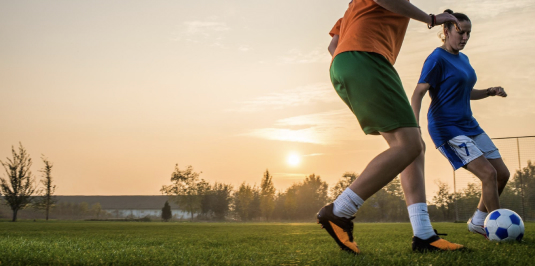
[336, 29]
[431, 71]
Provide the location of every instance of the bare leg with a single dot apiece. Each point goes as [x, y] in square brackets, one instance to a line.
[413, 184]
[485, 171]
[502, 174]
[404, 146]
[413, 180]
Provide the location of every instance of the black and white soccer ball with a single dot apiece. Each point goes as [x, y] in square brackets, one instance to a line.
[504, 225]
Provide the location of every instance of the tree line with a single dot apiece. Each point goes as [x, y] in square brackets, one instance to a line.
[303, 199]
[299, 202]
[518, 195]
[219, 201]
[18, 188]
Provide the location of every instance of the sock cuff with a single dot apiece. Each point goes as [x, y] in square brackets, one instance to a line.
[480, 212]
[417, 207]
[353, 196]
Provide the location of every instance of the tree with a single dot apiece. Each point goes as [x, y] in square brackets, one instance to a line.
[83, 208]
[343, 183]
[96, 209]
[254, 207]
[524, 186]
[19, 185]
[444, 199]
[290, 202]
[313, 194]
[46, 201]
[279, 211]
[394, 188]
[216, 200]
[385, 205]
[243, 200]
[222, 196]
[304, 199]
[166, 212]
[186, 189]
[267, 198]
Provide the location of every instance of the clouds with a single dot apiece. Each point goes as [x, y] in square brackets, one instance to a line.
[324, 128]
[205, 28]
[296, 56]
[488, 8]
[245, 48]
[305, 95]
[207, 32]
[210, 32]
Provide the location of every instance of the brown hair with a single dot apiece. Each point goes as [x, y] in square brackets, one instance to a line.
[448, 25]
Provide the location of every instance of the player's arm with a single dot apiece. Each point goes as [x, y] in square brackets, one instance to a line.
[333, 44]
[416, 100]
[492, 91]
[405, 8]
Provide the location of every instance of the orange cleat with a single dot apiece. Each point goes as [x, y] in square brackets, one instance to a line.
[434, 243]
[340, 228]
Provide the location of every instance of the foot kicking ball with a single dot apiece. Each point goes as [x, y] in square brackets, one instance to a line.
[504, 225]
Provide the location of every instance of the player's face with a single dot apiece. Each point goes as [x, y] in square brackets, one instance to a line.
[457, 40]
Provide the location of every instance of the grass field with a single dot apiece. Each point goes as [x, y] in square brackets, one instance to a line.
[155, 243]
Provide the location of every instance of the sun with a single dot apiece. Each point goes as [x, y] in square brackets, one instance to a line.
[293, 159]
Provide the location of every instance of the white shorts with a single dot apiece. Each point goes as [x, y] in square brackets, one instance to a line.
[463, 149]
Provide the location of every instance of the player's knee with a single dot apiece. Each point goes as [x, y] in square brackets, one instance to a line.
[423, 146]
[503, 176]
[489, 175]
[415, 149]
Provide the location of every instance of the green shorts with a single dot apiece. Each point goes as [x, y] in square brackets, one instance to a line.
[372, 89]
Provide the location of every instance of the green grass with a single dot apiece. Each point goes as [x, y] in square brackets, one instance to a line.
[155, 243]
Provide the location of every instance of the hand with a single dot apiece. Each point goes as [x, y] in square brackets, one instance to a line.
[497, 91]
[447, 17]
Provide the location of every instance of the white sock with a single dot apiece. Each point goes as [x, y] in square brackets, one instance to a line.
[479, 217]
[347, 204]
[421, 225]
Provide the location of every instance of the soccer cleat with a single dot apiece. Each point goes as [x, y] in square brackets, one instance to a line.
[476, 229]
[433, 243]
[340, 228]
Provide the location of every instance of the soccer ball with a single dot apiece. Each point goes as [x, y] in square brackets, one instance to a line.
[504, 225]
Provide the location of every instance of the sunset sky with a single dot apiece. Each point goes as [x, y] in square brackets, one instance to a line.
[115, 93]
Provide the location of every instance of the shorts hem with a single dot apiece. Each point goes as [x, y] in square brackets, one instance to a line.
[377, 130]
[469, 161]
[493, 157]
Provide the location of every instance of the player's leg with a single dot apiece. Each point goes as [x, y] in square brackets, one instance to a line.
[476, 222]
[371, 88]
[502, 176]
[491, 153]
[486, 172]
[489, 201]
[413, 180]
[461, 151]
[413, 183]
[502, 173]
[336, 217]
[404, 146]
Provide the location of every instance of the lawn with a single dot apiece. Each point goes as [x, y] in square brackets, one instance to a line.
[156, 243]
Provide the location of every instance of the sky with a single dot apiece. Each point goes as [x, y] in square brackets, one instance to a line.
[115, 93]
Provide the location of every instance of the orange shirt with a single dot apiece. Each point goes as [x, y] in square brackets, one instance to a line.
[336, 28]
[368, 27]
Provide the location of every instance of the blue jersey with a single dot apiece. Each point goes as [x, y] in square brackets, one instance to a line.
[452, 79]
